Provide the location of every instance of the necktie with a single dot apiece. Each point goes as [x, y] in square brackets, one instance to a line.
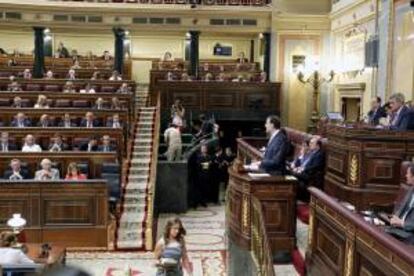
[89, 124]
[89, 147]
[106, 149]
[4, 146]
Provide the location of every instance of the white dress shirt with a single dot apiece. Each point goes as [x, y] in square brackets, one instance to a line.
[12, 256]
[32, 148]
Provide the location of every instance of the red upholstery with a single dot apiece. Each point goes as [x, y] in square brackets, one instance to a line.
[107, 89]
[32, 87]
[80, 103]
[26, 103]
[63, 103]
[52, 87]
[4, 102]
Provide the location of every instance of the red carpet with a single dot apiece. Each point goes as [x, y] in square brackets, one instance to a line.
[298, 262]
[302, 212]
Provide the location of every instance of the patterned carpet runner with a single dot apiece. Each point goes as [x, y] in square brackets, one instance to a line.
[130, 232]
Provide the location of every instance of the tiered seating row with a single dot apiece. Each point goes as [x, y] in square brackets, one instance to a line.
[199, 2]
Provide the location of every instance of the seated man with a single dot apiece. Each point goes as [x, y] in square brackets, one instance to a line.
[403, 215]
[124, 89]
[27, 75]
[71, 75]
[114, 122]
[311, 164]
[303, 153]
[5, 144]
[92, 145]
[69, 87]
[99, 104]
[377, 111]
[47, 172]
[21, 121]
[30, 145]
[66, 121]
[402, 117]
[17, 102]
[89, 121]
[14, 86]
[49, 75]
[106, 144]
[115, 76]
[44, 121]
[57, 144]
[16, 172]
[274, 159]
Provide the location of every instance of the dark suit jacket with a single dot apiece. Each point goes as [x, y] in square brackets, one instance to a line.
[95, 123]
[400, 210]
[63, 146]
[315, 163]
[61, 124]
[109, 123]
[111, 148]
[374, 117]
[84, 147]
[275, 155]
[11, 147]
[49, 124]
[405, 120]
[26, 122]
[24, 173]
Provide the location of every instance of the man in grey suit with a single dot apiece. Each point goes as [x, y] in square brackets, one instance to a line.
[403, 215]
[47, 172]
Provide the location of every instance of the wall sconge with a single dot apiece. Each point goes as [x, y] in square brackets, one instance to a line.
[315, 80]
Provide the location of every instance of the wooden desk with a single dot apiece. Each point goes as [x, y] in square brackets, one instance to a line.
[8, 114]
[69, 135]
[277, 196]
[59, 73]
[342, 243]
[227, 100]
[363, 165]
[127, 100]
[63, 213]
[62, 159]
[57, 254]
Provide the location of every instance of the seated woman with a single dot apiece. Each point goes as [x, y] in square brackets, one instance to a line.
[208, 77]
[185, 77]
[73, 172]
[9, 255]
[69, 87]
[41, 102]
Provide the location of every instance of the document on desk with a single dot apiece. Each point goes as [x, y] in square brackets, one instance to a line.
[251, 167]
[258, 175]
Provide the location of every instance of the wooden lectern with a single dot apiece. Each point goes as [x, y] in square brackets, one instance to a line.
[363, 164]
[277, 197]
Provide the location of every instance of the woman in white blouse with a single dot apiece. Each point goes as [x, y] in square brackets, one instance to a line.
[9, 255]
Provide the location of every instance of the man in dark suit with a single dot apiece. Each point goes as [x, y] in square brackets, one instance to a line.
[311, 164]
[377, 111]
[21, 121]
[402, 118]
[106, 144]
[5, 144]
[44, 121]
[57, 144]
[114, 122]
[274, 160]
[92, 145]
[66, 121]
[89, 121]
[403, 216]
[206, 127]
[16, 172]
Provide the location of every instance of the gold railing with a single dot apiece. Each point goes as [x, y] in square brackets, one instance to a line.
[260, 245]
[149, 223]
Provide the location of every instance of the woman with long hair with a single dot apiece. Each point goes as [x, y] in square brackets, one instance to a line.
[171, 251]
[73, 172]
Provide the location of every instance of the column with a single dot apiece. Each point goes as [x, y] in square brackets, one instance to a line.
[39, 55]
[385, 49]
[267, 47]
[119, 49]
[194, 58]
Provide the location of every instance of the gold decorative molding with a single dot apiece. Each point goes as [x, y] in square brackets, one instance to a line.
[245, 214]
[349, 259]
[353, 169]
[311, 227]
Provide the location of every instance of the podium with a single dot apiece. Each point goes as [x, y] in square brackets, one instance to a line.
[277, 197]
[363, 164]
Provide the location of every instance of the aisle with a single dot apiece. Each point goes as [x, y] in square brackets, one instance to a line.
[205, 240]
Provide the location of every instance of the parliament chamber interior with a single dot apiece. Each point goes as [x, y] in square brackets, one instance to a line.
[206, 137]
